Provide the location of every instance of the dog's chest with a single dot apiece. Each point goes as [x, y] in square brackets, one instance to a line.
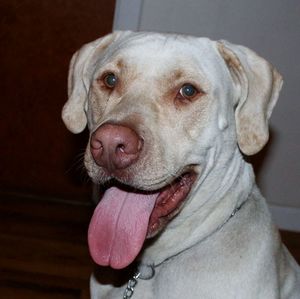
[182, 277]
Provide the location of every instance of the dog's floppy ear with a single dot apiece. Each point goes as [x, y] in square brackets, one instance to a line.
[258, 84]
[73, 112]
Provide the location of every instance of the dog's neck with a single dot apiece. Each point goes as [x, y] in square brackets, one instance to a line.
[211, 206]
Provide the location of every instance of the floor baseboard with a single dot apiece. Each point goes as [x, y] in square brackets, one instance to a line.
[286, 218]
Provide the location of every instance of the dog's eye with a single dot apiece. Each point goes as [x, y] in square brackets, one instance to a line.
[188, 91]
[110, 80]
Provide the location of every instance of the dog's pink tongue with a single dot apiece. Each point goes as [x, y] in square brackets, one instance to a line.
[119, 226]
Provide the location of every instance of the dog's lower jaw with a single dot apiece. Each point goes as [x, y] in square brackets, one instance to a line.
[169, 203]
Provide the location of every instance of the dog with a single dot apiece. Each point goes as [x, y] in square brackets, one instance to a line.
[171, 119]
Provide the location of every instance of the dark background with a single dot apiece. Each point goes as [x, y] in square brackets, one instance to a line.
[45, 201]
[38, 37]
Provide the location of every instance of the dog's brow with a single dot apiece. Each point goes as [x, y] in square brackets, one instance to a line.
[120, 63]
[177, 74]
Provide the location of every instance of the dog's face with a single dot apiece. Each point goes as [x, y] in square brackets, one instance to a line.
[155, 106]
[160, 90]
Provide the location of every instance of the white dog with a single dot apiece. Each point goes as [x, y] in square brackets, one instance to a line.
[170, 117]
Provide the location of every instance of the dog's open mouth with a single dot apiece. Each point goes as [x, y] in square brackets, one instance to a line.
[125, 218]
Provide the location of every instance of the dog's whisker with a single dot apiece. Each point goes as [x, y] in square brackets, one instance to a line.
[77, 164]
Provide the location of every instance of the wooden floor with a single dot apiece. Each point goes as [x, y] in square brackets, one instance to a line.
[43, 249]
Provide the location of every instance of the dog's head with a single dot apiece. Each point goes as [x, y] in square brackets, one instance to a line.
[155, 104]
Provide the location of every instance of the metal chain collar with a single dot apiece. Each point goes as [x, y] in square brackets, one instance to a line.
[131, 285]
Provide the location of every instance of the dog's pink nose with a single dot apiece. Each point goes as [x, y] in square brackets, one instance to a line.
[115, 146]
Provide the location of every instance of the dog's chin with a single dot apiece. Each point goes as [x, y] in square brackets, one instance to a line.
[172, 194]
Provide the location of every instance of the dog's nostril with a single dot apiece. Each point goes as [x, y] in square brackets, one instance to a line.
[96, 144]
[121, 148]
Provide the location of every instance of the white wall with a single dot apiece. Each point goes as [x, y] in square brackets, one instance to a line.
[271, 28]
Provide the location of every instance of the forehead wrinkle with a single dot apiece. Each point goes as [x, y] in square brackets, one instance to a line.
[151, 48]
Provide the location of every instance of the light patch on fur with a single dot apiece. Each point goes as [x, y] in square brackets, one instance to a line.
[222, 123]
